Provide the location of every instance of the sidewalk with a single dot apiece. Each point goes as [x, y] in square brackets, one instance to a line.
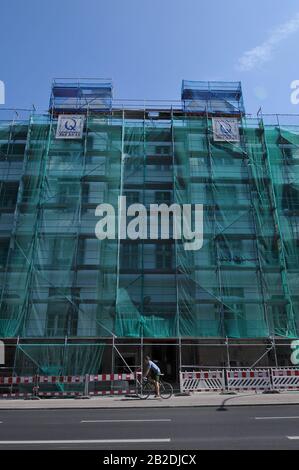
[194, 400]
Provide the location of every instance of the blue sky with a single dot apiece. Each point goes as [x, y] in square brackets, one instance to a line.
[148, 47]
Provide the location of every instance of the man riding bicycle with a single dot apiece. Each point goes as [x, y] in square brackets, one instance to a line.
[155, 372]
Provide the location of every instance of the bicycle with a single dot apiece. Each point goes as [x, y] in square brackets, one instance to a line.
[146, 388]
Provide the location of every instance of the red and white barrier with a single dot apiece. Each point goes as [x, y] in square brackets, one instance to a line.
[83, 380]
[80, 394]
[201, 381]
[111, 377]
[16, 395]
[285, 379]
[60, 394]
[68, 379]
[243, 380]
[16, 380]
[112, 392]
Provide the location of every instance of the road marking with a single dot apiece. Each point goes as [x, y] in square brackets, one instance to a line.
[293, 438]
[127, 421]
[87, 441]
[278, 417]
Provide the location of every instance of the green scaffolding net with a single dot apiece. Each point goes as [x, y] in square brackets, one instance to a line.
[58, 279]
[58, 359]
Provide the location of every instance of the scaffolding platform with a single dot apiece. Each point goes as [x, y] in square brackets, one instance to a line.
[213, 97]
[80, 96]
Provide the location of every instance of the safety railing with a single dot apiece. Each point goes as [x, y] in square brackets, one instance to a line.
[285, 379]
[239, 380]
[245, 380]
[203, 381]
[222, 380]
[67, 386]
[119, 384]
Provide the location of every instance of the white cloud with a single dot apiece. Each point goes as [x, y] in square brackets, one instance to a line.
[263, 53]
[261, 92]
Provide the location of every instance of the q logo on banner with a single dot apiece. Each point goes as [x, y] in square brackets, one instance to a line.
[295, 354]
[70, 126]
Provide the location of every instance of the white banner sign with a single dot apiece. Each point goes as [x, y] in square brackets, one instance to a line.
[226, 130]
[69, 127]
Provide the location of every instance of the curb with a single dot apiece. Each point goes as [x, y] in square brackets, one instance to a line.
[154, 406]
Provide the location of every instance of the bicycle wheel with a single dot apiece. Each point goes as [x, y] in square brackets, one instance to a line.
[144, 391]
[166, 390]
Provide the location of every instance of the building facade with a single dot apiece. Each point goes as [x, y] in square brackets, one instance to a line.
[73, 304]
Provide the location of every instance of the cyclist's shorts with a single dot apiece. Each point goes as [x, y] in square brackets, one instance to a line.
[156, 377]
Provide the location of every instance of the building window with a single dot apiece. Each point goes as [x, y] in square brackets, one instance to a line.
[85, 193]
[132, 197]
[290, 197]
[8, 194]
[228, 195]
[198, 165]
[62, 315]
[129, 256]
[63, 250]
[164, 256]
[56, 320]
[68, 193]
[230, 251]
[233, 292]
[195, 143]
[162, 168]
[163, 150]
[163, 197]
[4, 246]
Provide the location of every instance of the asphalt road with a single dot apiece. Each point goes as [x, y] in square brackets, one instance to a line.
[271, 427]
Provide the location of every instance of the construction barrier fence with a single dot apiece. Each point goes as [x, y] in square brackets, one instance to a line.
[67, 386]
[243, 380]
[225, 380]
[285, 379]
[239, 380]
[202, 381]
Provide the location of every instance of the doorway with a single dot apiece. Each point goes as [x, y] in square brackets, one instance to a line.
[166, 358]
